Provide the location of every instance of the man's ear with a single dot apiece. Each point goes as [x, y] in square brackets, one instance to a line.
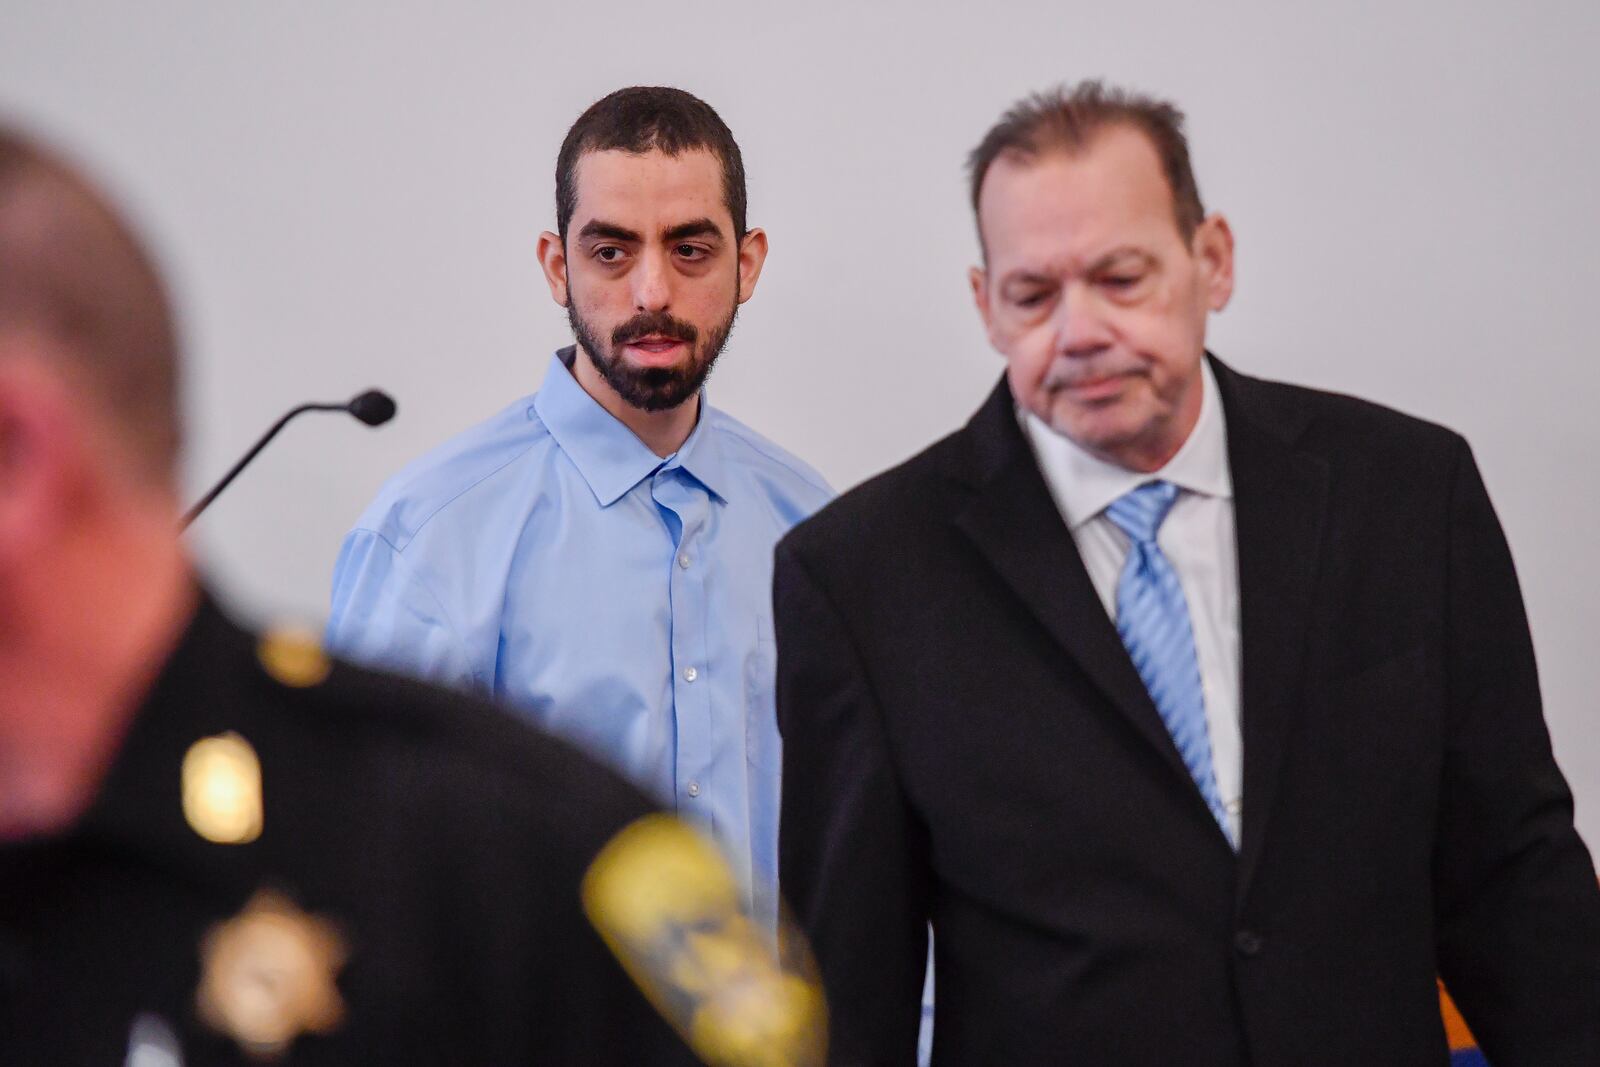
[752, 254]
[978, 278]
[1213, 248]
[553, 258]
[41, 456]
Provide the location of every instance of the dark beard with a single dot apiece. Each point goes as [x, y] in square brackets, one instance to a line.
[653, 388]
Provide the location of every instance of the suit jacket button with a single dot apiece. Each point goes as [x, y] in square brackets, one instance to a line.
[1247, 943]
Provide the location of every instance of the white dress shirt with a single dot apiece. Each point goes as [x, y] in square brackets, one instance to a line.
[1197, 538]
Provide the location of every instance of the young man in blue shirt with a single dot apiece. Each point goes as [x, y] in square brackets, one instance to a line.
[599, 555]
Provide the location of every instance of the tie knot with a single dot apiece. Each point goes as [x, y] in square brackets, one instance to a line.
[1140, 512]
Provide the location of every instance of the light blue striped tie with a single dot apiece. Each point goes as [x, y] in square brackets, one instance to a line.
[1153, 619]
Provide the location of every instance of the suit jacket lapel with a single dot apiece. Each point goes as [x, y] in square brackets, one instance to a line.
[1015, 527]
[1280, 499]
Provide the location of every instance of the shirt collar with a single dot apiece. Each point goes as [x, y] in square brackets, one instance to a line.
[1084, 485]
[701, 455]
[607, 454]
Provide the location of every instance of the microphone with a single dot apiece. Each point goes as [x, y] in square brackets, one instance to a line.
[373, 407]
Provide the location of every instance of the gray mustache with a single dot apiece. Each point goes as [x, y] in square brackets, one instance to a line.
[1067, 373]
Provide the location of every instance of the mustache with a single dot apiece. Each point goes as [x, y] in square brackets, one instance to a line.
[1067, 372]
[658, 323]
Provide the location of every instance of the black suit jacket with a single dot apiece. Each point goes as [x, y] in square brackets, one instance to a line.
[966, 741]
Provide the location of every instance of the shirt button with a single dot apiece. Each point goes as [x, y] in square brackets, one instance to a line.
[694, 789]
[1235, 806]
[690, 674]
[683, 561]
[1247, 943]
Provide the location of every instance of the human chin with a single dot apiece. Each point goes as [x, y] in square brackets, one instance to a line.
[1102, 426]
[651, 388]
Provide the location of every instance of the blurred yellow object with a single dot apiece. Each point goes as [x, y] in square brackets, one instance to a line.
[222, 790]
[665, 901]
[268, 976]
[294, 657]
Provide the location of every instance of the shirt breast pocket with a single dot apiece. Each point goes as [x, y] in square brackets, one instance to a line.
[763, 747]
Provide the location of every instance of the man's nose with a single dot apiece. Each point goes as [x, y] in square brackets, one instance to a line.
[652, 283]
[1080, 321]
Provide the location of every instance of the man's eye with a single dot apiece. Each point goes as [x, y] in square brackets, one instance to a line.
[608, 253]
[1030, 300]
[691, 252]
[1120, 281]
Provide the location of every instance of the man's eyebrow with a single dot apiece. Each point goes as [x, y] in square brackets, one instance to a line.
[1027, 277]
[1048, 276]
[1124, 252]
[595, 228]
[701, 227]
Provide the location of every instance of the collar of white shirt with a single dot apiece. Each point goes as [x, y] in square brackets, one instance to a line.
[1083, 485]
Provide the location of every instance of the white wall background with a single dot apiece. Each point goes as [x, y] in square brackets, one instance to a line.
[348, 194]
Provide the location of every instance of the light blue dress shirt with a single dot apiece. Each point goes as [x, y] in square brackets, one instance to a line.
[549, 559]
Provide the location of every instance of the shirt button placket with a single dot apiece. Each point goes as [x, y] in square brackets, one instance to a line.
[693, 700]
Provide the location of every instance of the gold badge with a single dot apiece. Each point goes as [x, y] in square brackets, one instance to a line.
[222, 789]
[267, 976]
[294, 657]
[668, 906]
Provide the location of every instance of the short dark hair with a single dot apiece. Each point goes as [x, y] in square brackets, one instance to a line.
[74, 272]
[1066, 119]
[639, 119]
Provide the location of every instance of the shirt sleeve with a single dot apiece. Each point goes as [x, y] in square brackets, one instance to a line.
[383, 615]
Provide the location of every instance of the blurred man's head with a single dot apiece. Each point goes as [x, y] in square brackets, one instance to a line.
[652, 256]
[80, 297]
[1100, 268]
[93, 582]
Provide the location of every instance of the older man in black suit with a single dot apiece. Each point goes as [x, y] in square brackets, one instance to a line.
[1197, 713]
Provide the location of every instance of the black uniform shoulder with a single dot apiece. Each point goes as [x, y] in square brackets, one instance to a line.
[459, 774]
[473, 753]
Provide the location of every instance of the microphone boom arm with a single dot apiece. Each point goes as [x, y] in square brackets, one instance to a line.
[205, 501]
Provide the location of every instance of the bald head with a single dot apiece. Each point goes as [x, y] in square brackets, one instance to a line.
[74, 276]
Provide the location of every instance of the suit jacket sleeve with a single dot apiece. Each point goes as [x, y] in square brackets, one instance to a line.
[852, 854]
[1518, 921]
